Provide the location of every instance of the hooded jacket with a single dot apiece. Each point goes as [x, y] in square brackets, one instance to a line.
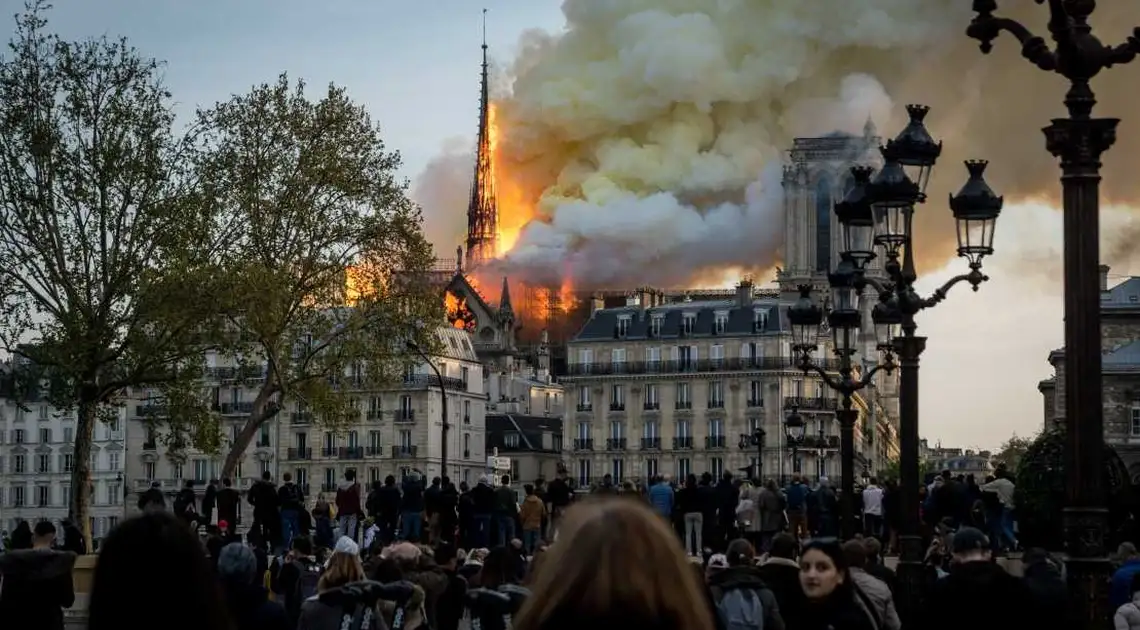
[878, 598]
[746, 578]
[348, 498]
[987, 587]
[36, 587]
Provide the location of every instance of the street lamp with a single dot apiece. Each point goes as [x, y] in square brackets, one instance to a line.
[756, 439]
[1079, 141]
[794, 428]
[890, 198]
[444, 427]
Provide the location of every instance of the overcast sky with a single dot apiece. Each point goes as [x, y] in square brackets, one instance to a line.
[415, 64]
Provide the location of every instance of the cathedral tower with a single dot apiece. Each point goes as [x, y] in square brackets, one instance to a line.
[483, 208]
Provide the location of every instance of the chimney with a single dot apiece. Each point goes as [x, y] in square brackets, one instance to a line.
[1104, 269]
[633, 299]
[744, 293]
[597, 303]
[645, 297]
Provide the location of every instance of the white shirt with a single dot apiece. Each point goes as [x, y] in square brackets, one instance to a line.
[873, 500]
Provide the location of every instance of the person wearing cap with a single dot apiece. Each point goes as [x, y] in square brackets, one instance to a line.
[978, 593]
[246, 600]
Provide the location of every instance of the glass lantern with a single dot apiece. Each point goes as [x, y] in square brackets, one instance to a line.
[976, 208]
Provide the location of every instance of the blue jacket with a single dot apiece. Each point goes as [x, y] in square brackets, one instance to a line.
[1120, 592]
[661, 498]
[797, 496]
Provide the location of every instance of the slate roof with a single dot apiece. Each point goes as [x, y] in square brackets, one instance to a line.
[604, 323]
[530, 429]
[1126, 357]
[1124, 296]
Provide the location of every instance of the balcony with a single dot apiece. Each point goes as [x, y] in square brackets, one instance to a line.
[405, 450]
[585, 407]
[374, 451]
[148, 411]
[682, 443]
[330, 451]
[583, 444]
[263, 443]
[683, 405]
[328, 487]
[814, 441]
[714, 441]
[466, 419]
[651, 444]
[652, 406]
[716, 404]
[817, 403]
[150, 445]
[374, 414]
[300, 453]
[689, 366]
[404, 416]
[236, 408]
[755, 402]
[428, 381]
[617, 406]
[351, 452]
[233, 373]
[301, 417]
[616, 444]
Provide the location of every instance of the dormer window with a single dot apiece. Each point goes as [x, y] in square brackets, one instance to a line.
[688, 323]
[655, 325]
[720, 322]
[623, 326]
[759, 320]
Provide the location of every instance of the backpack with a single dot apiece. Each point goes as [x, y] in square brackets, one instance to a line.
[307, 582]
[739, 608]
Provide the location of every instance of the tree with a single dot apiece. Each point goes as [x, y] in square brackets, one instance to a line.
[324, 252]
[891, 470]
[1011, 452]
[99, 285]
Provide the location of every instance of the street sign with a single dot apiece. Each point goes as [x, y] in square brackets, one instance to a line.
[499, 463]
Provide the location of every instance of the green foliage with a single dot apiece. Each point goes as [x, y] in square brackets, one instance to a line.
[891, 470]
[1011, 452]
[322, 250]
[99, 285]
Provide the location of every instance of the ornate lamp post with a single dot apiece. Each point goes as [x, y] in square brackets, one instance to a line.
[755, 439]
[1079, 141]
[794, 428]
[882, 210]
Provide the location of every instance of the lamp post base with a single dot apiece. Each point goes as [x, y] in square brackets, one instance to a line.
[1087, 568]
[910, 575]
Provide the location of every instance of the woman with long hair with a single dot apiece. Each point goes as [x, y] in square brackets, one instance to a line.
[616, 564]
[834, 602]
[336, 598]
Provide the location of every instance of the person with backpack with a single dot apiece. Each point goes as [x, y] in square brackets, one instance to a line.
[292, 501]
[348, 504]
[296, 577]
[741, 599]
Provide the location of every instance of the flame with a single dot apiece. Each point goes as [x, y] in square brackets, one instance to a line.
[515, 211]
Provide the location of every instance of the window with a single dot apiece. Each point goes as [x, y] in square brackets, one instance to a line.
[759, 320]
[716, 356]
[353, 439]
[263, 436]
[1135, 430]
[617, 470]
[617, 398]
[511, 440]
[43, 463]
[649, 430]
[330, 442]
[652, 359]
[373, 474]
[821, 466]
[113, 428]
[68, 435]
[68, 463]
[45, 436]
[650, 469]
[301, 478]
[201, 469]
[716, 395]
[406, 406]
[683, 429]
[584, 403]
[755, 394]
[177, 469]
[583, 430]
[301, 439]
[583, 472]
[114, 459]
[716, 467]
[467, 409]
[716, 428]
[405, 439]
[652, 396]
[688, 323]
[720, 322]
[330, 479]
[686, 357]
[617, 359]
[684, 468]
[622, 326]
[466, 444]
[586, 360]
[148, 471]
[18, 465]
[655, 325]
[374, 442]
[265, 466]
[44, 415]
[515, 474]
[65, 490]
[684, 399]
[17, 494]
[114, 493]
[617, 430]
[18, 436]
[798, 388]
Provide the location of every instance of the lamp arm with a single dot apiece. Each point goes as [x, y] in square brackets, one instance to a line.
[985, 27]
[868, 378]
[807, 366]
[877, 284]
[975, 277]
[1123, 53]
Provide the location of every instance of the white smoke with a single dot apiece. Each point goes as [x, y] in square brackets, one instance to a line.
[442, 191]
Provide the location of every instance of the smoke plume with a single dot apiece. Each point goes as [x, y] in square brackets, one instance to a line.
[643, 143]
[442, 190]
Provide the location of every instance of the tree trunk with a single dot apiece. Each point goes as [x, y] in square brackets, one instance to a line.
[263, 411]
[81, 471]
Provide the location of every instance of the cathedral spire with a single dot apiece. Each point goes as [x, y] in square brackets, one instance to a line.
[483, 208]
[505, 299]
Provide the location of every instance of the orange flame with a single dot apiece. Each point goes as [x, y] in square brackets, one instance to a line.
[515, 211]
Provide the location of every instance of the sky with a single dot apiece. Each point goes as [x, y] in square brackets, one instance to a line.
[415, 65]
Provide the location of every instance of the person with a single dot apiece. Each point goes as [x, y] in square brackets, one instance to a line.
[246, 600]
[228, 502]
[295, 578]
[530, 516]
[1119, 592]
[781, 574]
[693, 519]
[327, 613]
[873, 509]
[616, 565]
[878, 597]
[660, 497]
[449, 606]
[266, 516]
[742, 600]
[1127, 615]
[348, 504]
[833, 601]
[35, 584]
[149, 566]
[152, 498]
[22, 537]
[974, 578]
[412, 508]
[291, 498]
[506, 509]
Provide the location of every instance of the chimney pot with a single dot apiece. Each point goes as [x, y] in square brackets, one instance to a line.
[1104, 269]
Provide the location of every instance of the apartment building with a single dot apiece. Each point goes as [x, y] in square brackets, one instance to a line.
[677, 388]
[37, 457]
[399, 429]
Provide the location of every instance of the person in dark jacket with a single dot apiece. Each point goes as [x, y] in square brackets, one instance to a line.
[291, 498]
[152, 498]
[73, 539]
[448, 511]
[412, 508]
[483, 499]
[388, 509]
[727, 497]
[781, 574]
[559, 495]
[1050, 594]
[228, 503]
[706, 494]
[449, 605]
[986, 586]
[266, 517]
[742, 574]
[209, 501]
[246, 600]
[688, 505]
[37, 582]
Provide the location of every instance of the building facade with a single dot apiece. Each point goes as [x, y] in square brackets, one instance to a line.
[37, 459]
[532, 444]
[1120, 345]
[670, 388]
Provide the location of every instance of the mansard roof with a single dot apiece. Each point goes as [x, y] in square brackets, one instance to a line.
[759, 317]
